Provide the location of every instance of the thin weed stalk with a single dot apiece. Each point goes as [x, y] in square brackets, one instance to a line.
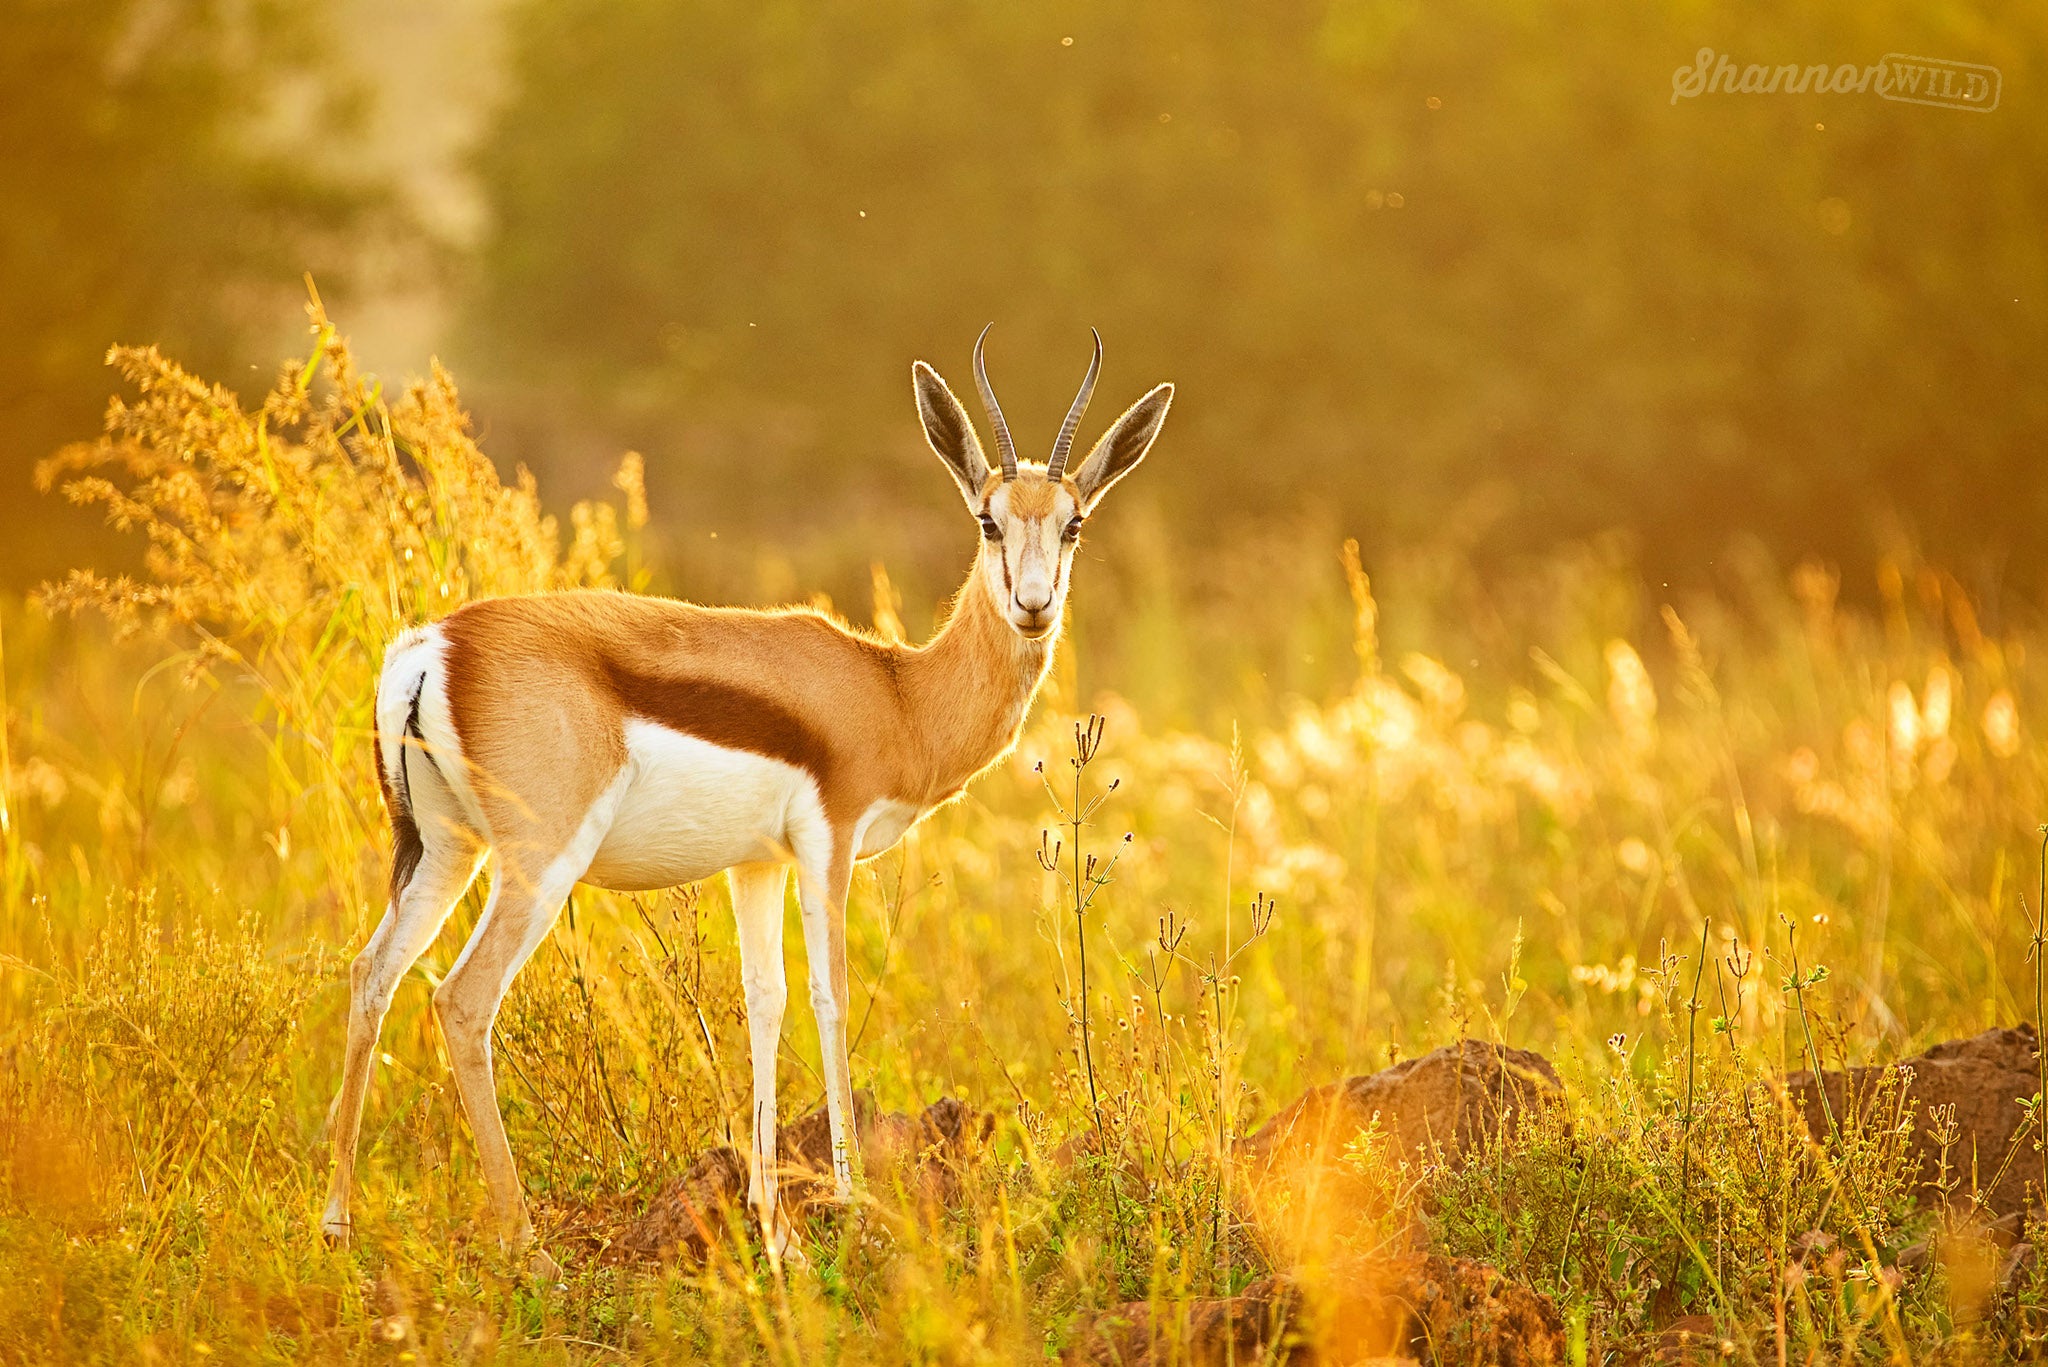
[1797, 985]
[1085, 875]
[11, 867]
[1692, 1013]
[2038, 937]
[1084, 879]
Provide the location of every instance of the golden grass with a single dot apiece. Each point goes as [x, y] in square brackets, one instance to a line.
[1530, 850]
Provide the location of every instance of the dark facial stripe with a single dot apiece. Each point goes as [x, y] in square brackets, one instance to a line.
[1003, 559]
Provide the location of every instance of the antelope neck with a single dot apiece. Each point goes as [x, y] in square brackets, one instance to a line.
[968, 687]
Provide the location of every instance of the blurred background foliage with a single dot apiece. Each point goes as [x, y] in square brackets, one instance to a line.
[167, 173]
[1687, 446]
[1460, 274]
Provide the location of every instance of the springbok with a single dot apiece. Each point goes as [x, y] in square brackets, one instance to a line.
[637, 743]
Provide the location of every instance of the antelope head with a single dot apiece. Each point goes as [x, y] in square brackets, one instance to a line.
[1031, 514]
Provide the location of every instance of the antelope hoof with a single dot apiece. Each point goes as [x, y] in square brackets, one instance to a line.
[789, 1252]
[337, 1230]
[541, 1266]
[781, 1246]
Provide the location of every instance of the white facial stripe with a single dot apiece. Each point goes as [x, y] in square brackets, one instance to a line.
[1029, 562]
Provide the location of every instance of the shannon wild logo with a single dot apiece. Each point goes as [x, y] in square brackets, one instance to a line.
[1894, 76]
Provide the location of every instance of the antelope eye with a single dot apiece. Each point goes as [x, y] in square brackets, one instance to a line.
[1072, 532]
[989, 528]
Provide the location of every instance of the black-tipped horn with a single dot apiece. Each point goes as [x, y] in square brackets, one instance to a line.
[1005, 448]
[1058, 464]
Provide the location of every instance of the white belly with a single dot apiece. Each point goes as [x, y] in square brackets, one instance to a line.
[691, 809]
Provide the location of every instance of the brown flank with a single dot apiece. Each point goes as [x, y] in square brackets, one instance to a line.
[539, 689]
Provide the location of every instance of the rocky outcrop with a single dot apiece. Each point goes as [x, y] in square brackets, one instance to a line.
[693, 1211]
[1311, 1200]
[1309, 1203]
[1419, 1309]
[1453, 1098]
[922, 1157]
[1985, 1077]
[1253, 1326]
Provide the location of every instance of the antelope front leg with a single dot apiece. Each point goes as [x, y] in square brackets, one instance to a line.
[822, 892]
[757, 893]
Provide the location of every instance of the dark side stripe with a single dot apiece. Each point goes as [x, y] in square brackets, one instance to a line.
[721, 714]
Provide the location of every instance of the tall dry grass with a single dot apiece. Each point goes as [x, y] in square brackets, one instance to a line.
[1515, 817]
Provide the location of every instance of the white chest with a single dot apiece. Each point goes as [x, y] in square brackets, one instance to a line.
[882, 825]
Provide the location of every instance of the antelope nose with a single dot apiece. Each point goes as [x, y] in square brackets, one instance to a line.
[1034, 602]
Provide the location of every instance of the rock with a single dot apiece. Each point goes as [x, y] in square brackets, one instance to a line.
[2017, 1284]
[1998, 1241]
[2017, 1267]
[1455, 1097]
[1249, 1327]
[1970, 1258]
[1689, 1339]
[923, 1157]
[1985, 1077]
[1421, 1309]
[1309, 1202]
[692, 1211]
[1453, 1310]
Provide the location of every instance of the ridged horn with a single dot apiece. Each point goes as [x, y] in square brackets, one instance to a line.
[1005, 448]
[1058, 464]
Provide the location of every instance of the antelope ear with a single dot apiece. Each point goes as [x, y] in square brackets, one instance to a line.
[950, 432]
[1123, 445]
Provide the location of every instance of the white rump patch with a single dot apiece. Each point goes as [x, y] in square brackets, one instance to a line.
[438, 779]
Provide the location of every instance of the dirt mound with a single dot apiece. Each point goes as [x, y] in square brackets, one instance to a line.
[692, 1211]
[1455, 1097]
[1253, 1326]
[1311, 1204]
[1421, 1309]
[1985, 1077]
[921, 1157]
